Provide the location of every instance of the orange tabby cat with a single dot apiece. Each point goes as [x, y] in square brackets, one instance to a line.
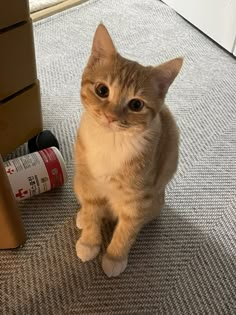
[126, 150]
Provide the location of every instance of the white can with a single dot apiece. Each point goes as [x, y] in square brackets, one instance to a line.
[35, 173]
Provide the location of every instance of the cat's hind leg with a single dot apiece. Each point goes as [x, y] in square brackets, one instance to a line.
[79, 220]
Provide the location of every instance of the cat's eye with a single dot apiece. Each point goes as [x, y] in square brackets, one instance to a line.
[102, 90]
[136, 105]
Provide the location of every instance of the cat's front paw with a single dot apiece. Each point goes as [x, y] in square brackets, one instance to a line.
[86, 252]
[112, 267]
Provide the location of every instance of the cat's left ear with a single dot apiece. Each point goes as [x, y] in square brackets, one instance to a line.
[103, 46]
[165, 74]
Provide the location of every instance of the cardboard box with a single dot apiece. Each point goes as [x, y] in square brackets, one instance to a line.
[13, 12]
[17, 59]
[20, 119]
[12, 233]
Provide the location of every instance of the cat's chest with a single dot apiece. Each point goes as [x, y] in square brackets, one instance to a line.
[106, 151]
[106, 157]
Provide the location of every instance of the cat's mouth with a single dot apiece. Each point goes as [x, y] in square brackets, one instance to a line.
[111, 123]
[108, 122]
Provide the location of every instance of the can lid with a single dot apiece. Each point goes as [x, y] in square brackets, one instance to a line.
[62, 163]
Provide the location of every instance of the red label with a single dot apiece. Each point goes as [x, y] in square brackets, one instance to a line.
[53, 167]
[21, 193]
[10, 171]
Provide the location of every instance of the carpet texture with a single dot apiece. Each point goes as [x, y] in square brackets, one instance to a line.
[183, 263]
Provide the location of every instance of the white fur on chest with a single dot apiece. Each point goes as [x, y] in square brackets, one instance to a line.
[107, 151]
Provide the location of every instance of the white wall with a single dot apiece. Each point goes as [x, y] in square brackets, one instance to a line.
[216, 18]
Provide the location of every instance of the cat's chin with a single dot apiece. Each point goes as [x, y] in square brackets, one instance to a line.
[110, 126]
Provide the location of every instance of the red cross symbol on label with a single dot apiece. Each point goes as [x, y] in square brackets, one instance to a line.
[21, 193]
[10, 171]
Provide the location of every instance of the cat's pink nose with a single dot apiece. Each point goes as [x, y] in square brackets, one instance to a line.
[110, 117]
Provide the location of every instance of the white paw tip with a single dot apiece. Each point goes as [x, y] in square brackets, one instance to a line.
[86, 252]
[113, 268]
[78, 221]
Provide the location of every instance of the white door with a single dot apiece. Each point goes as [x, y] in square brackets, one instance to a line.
[216, 18]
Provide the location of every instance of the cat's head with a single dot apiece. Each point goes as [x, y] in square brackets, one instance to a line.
[122, 94]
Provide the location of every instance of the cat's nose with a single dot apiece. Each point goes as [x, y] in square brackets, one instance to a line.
[110, 117]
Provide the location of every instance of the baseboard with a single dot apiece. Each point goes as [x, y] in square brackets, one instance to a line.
[36, 16]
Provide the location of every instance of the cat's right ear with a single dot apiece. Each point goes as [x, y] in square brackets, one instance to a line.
[165, 74]
[103, 46]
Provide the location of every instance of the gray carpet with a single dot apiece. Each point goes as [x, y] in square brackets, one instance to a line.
[183, 263]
